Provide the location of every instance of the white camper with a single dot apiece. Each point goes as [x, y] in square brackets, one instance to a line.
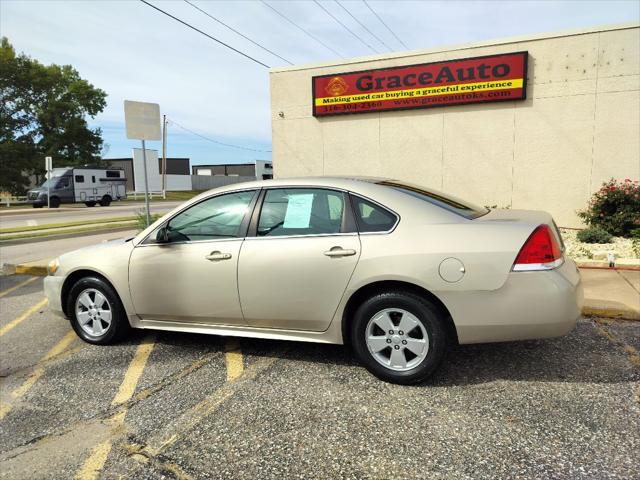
[88, 185]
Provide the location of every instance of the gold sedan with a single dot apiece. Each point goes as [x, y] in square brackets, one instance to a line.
[396, 270]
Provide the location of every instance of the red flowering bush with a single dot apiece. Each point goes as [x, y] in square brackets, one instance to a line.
[615, 207]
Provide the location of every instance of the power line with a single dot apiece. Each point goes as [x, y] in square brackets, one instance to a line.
[237, 32]
[173, 122]
[363, 26]
[301, 29]
[382, 22]
[344, 26]
[205, 34]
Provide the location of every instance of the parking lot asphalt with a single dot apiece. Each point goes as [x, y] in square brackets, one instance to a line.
[169, 405]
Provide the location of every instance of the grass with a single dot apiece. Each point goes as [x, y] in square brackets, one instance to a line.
[108, 226]
[3, 206]
[77, 223]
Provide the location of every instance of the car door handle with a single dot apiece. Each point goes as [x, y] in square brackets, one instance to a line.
[216, 256]
[340, 252]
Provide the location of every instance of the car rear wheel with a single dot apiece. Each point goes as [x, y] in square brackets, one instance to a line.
[399, 337]
[96, 313]
[106, 201]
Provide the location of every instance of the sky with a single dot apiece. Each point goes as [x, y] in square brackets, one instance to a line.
[134, 52]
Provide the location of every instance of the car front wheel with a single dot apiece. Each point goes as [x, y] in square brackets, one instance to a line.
[96, 313]
[399, 337]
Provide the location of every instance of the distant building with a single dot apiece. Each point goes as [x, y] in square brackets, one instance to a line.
[175, 166]
[260, 169]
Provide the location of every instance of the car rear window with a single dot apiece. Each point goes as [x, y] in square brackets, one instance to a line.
[371, 217]
[448, 202]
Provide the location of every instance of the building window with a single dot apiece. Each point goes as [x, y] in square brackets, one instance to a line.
[79, 178]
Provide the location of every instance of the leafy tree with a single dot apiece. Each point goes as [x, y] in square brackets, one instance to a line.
[42, 113]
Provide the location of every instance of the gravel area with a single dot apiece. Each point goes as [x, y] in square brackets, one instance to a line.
[622, 248]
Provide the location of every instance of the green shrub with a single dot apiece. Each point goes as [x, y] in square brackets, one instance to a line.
[594, 235]
[141, 218]
[615, 207]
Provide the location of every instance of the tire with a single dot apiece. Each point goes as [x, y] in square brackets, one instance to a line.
[93, 325]
[90, 204]
[106, 201]
[417, 326]
[54, 202]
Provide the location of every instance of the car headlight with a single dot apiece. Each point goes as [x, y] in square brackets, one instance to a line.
[52, 268]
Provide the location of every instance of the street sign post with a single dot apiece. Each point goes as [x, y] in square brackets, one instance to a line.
[48, 166]
[142, 121]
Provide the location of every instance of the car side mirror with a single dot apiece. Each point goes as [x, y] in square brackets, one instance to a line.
[163, 235]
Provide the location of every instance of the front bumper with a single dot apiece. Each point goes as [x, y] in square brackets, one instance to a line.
[53, 292]
[530, 305]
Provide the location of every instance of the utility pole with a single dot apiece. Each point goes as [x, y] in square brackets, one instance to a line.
[164, 157]
[48, 165]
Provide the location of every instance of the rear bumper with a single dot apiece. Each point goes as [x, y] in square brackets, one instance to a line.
[53, 292]
[529, 305]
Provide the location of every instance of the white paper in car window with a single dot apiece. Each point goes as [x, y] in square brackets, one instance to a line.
[298, 211]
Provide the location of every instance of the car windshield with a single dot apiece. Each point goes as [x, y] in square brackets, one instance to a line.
[448, 202]
[52, 182]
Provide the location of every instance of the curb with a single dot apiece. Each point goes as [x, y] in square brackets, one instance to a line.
[44, 238]
[614, 313]
[605, 266]
[26, 269]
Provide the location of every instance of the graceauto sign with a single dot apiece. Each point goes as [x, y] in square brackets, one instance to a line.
[493, 78]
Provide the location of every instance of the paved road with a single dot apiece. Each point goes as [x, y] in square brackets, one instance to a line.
[31, 217]
[48, 248]
[171, 405]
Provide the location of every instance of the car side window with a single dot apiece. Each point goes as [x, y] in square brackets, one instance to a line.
[79, 178]
[371, 217]
[301, 211]
[217, 217]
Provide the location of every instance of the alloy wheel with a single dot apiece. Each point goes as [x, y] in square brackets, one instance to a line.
[93, 312]
[397, 339]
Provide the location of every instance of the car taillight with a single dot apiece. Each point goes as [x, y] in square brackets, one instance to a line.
[540, 252]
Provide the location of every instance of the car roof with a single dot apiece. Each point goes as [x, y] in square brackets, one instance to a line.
[324, 181]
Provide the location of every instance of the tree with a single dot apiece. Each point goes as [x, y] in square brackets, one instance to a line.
[43, 112]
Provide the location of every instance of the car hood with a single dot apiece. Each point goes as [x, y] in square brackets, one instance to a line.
[111, 252]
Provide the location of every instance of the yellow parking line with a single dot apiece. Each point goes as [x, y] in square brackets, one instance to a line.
[15, 287]
[13, 323]
[233, 359]
[98, 457]
[37, 372]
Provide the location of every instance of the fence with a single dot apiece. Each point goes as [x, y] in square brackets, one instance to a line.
[8, 201]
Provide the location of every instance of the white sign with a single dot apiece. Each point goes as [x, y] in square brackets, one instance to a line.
[153, 171]
[48, 163]
[298, 211]
[142, 120]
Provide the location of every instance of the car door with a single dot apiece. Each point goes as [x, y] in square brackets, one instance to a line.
[186, 271]
[298, 258]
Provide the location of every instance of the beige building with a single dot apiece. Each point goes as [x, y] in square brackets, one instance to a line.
[579, 126]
